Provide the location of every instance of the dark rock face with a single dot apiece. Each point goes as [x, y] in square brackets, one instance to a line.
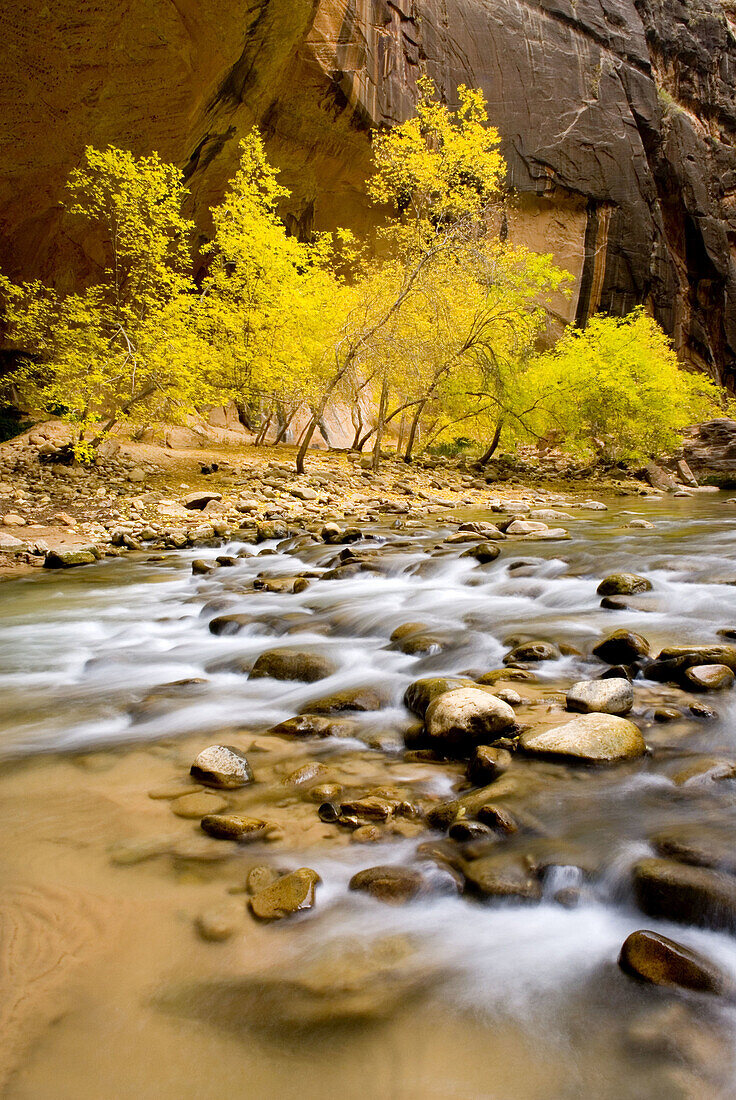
[618, 119]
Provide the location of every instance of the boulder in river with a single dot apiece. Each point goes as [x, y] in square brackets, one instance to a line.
[358, 699]
[532, 651]
[487, 763]
[393, 883]
[622, 647]
[291, 663]
[623, 584]
[289, 894]
[234, 827]
[708, 677]
[660, 961]
[483, 552]
[689, 655]
[420, 693]
[461, 718]
[610, 696]
[222, 766]
[502, 875]
[590, 739]
[676, 891]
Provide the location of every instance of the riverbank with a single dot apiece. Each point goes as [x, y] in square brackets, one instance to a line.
[147, 496]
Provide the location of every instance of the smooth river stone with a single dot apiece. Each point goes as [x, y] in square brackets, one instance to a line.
[623, 584]
[463, 717]
[690, 895]
[290, 894]
[293, 664]
[708, 677]
[660, 961]
[611, 696]
[621, 647]
[234, 827]
[592, 738]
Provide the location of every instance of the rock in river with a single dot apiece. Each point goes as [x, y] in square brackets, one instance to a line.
[532, 651]
[293, 664]
[621, 647]
[623, 584]
[661, 961]
[222, 766]
[689, 895]
[420, 693]
[611, 696]
[466, 716]
[393, 884]
[289, 894]
[590, 739]
[708, 677]
[234, 827]
[688, 655]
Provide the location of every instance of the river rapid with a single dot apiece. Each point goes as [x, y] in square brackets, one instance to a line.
[112, 681]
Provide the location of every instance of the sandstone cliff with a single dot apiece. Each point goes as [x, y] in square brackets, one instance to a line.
[618, 119]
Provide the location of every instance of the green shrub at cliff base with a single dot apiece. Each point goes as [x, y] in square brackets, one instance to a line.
[614, 390]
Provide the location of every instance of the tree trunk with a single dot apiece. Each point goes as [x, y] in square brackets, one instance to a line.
[380, 425]
[413, 430]
[488, 455]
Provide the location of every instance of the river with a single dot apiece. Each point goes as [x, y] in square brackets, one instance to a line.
[112, 682]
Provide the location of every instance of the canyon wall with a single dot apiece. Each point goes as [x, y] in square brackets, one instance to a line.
[618, 119]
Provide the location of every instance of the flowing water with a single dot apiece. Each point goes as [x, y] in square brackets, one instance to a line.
[111, 683]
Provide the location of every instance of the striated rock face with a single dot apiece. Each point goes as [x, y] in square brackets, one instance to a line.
[618, 118]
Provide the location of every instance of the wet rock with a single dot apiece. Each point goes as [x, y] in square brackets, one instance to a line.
[366, 834]
[290, 894]
[666, 714]
[293, 664]
[660, 961]
[526, 527]
[220, 922]
[623, 584]
[313, 725]
[420, 693]
[622, 647]
[234, 827]
[198, 805]
[497, 818]
[703, 710]
[461, 718]
[532, 651]
[487, 763]
[687, 656]
[202, 566]
[357, 699]
[708, 677]
[307, 775]
[508, 695]
[393, 884]
[222, 766]
[705, 770]
[483, 552]
[129, 852]
[610, 696]
[371, 806]
[261, 876]
[416, 639]
[173, 790]
[67, 559]
[464, 830]
[591, 739]
[324, 792]
[699, 845]
[688, 895]
[502, 875]
[230, 624]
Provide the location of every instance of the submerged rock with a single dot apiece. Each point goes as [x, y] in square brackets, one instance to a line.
[313, 725]
[293, 664]
[198, 805]
[592, 739]
[488, 762]
[699, 845]
[220, 922]
[621, 647]
[610, 696]
[502, 875]
[660, 961]
[689, 895]
[289, 894]
[234, 827]
[623, 584]
[461, 718]
[222, 766]
[358, 699]
[393, 884]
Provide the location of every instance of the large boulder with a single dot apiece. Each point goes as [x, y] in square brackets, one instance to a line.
[293, 664]
[465, 717]
[660, 961]
[611, 696]
[676, 891]
[590, 739]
